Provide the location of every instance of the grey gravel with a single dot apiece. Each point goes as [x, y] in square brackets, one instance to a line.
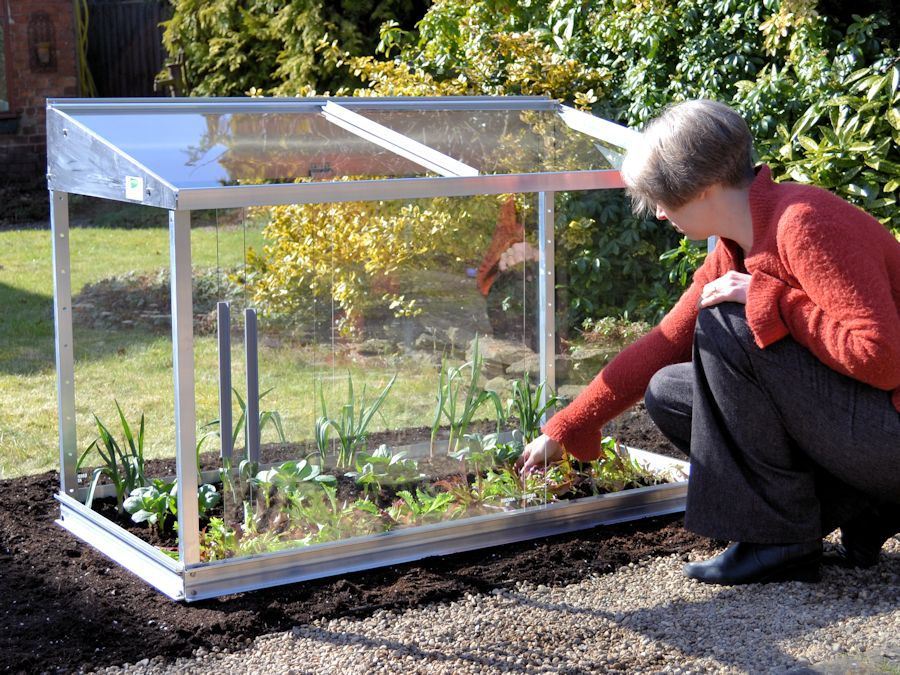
[645, 617]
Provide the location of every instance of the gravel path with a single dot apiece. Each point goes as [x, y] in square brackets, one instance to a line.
[643, 618]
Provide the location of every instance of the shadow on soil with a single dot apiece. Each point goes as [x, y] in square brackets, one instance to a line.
[27, 330]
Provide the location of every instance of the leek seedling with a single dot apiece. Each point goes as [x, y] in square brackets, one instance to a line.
[459, 414]
[123, 468]
[352, 424]
[527, 408]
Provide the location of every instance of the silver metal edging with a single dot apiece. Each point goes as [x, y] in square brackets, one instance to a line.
[183, 376]
[210, 580]
[397, 143]
[547, 294]
[64, 342]
[599, 128]
[233, 196]
[213, 104]
[122, 547]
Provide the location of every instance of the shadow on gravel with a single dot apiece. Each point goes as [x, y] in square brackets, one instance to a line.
[741, 626]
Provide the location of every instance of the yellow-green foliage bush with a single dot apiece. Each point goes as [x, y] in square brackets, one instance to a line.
[351, 252]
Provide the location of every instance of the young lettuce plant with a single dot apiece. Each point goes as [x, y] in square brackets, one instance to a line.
[123, 468]
[152, 504]
[352, 423]
[459, 412]
[289, 476]
[614, 471]
[422, 508]
[381, 466]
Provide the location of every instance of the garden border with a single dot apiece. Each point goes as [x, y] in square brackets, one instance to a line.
[213, 579]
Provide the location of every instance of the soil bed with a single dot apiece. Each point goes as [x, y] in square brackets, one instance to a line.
[66, 607]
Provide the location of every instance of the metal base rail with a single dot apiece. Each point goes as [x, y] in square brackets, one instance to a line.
[118, 544]
[236, 575]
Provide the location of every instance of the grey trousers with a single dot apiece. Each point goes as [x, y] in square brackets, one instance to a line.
[783, 449]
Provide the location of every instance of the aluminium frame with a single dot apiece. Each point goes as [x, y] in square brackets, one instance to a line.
[81, 162]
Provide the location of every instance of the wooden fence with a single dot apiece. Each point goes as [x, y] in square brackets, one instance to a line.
[125, 45]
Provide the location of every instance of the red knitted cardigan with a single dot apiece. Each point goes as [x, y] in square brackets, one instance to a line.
[822, 271]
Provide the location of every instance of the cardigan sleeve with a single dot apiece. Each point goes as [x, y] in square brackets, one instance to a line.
[624, 379]
[842, 307]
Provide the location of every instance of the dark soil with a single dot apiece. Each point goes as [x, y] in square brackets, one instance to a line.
[65, 607]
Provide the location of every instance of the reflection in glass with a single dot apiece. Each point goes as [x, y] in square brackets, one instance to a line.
[499, 141]
[207, 150]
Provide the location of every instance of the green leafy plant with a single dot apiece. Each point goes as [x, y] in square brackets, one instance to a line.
[124, 468]
[319, 516]
[352, 423]
[459, 412]
[614, 470]
[381, 466]
[288, 476]
[218, 541]
[527, 407]
[422, 507]
[154, 503]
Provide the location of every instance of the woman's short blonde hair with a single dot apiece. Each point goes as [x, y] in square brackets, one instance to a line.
[688, 148]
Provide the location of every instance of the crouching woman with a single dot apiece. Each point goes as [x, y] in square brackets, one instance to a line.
[778, 370]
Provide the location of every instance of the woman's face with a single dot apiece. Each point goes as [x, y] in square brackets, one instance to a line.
[695, 220]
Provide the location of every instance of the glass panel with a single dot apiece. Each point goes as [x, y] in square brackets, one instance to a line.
[499, 141]
[123, 354]
[209, 150]
[4, 92]
[384, 298]
[605, 262]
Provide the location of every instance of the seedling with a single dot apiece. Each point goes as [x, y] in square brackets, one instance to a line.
[422, 508]
[383, 465]
[123, 468]
[527, 407]
[352, 424]
[152, 504]
[459, 413]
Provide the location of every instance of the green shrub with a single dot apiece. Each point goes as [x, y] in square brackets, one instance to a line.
[228, 47]
[818, 93]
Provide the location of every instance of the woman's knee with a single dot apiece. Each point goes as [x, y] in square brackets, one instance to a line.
[722, 334]
[669, 389]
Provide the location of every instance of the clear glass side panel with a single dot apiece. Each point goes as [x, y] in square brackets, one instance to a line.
[368, 316]
[501, 141]
[606, 264]
[123, 361]
[198, 149]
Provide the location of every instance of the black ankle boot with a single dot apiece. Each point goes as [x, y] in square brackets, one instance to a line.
[743, 563]
[863, 536]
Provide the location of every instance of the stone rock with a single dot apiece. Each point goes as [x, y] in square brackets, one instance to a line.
[432, 340]
[587, 361]
[376, 347]
[460, 336]
[530, 365]
[498, 354]
[500, 385]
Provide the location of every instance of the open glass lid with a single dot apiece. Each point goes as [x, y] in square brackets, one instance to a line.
[192, 153]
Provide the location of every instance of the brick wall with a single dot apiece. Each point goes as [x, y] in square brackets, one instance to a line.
[23, 144]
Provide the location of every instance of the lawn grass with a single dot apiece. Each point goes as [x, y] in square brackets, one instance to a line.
[106, 362]
[135, 366]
